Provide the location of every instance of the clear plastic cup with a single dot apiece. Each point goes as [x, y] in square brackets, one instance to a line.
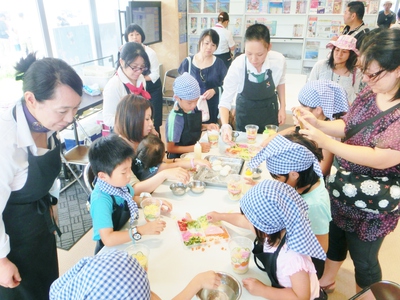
[213, 136]
[240, 250]
[251, 131]
[271, 129]
[235, 186]
[141, 253]
[151, 208]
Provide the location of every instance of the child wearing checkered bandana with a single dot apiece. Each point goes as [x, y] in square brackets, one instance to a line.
[294, 159]
[278, 216]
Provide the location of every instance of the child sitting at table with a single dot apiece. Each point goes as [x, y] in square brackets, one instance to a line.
[150, 155]
[116, 275]
[284, 241]
[294, 159]
[111, 203]
[184, 124]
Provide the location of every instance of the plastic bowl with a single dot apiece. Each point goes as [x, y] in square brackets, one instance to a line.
[229, 289]
[178, 188]
[197, 186]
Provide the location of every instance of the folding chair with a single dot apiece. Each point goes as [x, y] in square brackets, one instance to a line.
[78, 155]
[168, 93]
[382, 290]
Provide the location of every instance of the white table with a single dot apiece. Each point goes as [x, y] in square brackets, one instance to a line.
[171, 264]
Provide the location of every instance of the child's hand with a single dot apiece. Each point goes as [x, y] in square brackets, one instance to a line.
[166, 205]
[205, 147]
[202, 162]
[213, 217]
[266, 141]
[179, 174]
[152, 228]
[250, 181]
[254, 286]
[207, 280]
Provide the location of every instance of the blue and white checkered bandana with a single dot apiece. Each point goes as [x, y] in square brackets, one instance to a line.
[186, 87]
[272, 206]
[328, 95]
[111, 275]
[122, 192]
[283, 156]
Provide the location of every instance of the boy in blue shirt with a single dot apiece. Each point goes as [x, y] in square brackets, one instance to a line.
[112, 201]
[184, 123]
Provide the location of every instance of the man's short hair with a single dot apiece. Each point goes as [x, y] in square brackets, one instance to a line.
[358, 8]
[107, 153]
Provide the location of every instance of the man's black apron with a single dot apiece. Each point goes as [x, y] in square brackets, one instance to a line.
[30, 228]
[191, 130]
[257, 103]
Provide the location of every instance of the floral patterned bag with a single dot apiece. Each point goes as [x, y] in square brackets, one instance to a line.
[373, 194]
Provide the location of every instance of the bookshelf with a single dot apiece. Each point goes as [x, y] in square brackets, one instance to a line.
[300, 29]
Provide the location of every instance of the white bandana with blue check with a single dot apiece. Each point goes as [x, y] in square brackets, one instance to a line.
[122, 192]
[283, 156]
[272, 206]
[328, 95]
[111, 275]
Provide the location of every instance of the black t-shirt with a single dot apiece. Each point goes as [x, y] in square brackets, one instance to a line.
[384, 21]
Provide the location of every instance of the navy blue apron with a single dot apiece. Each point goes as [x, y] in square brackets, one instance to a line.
[30, 226]
[156, 100]
[257, 103]
[191, 130]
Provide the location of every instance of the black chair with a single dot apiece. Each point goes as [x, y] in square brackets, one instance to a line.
[381, 290]
[168, 93]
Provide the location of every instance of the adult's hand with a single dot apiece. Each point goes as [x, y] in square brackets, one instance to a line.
[226, 133]
[205, 147]
[313, 133]
[209, 94]
[306, 115]
[9, 275]
[281, 116]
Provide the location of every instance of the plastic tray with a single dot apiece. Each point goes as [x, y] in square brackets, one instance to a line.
[201, 232]
[214, 178]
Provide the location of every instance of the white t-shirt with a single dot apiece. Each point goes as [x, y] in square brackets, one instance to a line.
[225, 39]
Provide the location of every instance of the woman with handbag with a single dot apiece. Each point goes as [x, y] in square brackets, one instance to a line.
[208, 70]
[365, 191]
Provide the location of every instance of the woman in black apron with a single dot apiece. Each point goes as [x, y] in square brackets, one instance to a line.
[257, 77]
[134, 33]
[31, 164]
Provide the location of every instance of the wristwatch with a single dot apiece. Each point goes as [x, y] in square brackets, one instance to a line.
[136, 235]
[144, 195]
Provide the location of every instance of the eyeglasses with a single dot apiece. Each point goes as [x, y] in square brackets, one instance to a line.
[373, 75]
[141, 69]
[202, 77]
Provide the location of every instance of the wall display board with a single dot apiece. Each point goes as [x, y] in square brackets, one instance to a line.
[300, 29]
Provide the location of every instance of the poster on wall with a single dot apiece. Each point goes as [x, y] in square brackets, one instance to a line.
[253, 6]
[193, 25]
[204, 23]
[223, 5]
[194, 6]
[210, 6]
[182, 29]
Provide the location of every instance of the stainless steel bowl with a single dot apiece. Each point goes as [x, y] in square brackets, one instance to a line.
[197, 186]
[178, 188]
[256, 173]
[235, 134]
[229, 289]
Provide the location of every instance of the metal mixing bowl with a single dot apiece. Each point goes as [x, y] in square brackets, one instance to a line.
[229, 289]
[235, 134]
[197, 186]
[178, 188]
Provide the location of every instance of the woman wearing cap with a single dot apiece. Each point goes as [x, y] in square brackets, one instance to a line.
[134, 33]
[340, 67]
[327, 100]
[277, 214]
[257, 80]
[30, 164]
[133, 123]
[208, 70]
[128, 79]
[184, 126]
[365, 191]
[226, 42]
[294, 159]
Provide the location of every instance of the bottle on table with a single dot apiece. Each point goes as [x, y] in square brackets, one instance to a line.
[197, 151]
